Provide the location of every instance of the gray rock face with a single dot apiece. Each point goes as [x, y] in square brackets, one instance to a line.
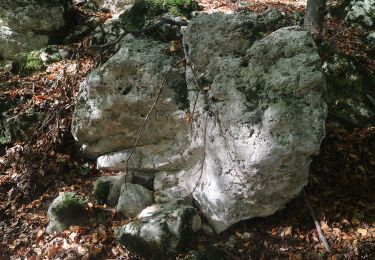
[133, 199]
[114, 100]
[258, 114]
[66, 210]
[259, 122]
[26, 25]
[161, 228]
[107, 189]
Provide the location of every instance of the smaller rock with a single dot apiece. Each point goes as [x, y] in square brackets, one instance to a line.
[146, 179]
[207, 229]
[232, 241]
[175, 194]
[161, 229]
[165, 180]
[107, 188]
[133, 199]
[66, 210]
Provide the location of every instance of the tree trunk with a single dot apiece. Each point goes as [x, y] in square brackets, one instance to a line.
[315, 12]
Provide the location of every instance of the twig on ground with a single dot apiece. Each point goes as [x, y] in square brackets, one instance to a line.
[322, 238]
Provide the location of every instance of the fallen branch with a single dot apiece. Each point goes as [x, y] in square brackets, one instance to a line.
[149, 112]
[140, 31]
[322, 238]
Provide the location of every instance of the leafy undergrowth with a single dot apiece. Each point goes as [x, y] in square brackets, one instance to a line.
[32, 173]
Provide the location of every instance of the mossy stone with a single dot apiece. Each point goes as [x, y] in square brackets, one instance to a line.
[25, 63]
[67, 209]
[101, 191]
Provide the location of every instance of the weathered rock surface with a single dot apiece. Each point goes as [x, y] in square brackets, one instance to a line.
[115, 98]
[175, 194]
[66, 210]
[258, 113]
[259, 123]
[26, 25]
[160, 229]
[107, 189]
[133, 199]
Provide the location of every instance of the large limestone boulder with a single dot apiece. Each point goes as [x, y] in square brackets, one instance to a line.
[259, 122]
[114, 100]
[26, 25]
[258, 114]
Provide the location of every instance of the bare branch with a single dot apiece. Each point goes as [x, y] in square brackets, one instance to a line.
[322, 238]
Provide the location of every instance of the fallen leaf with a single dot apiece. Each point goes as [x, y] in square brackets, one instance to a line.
[362, 231]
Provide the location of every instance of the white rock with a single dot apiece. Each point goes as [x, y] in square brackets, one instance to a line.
[266, 118]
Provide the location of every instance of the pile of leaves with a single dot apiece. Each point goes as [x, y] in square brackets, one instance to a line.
[33, 172]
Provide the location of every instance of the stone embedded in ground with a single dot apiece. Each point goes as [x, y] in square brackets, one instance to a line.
[66, 210]
[107, 188]
[133, 199]
[28, 25]
[160, 229]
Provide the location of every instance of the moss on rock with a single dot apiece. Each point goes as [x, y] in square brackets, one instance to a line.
[27, 63]
[66, 210]
[101, 191]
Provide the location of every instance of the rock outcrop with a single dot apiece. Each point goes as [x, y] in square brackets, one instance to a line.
[26, 25]
[260, 120]
[239, 133]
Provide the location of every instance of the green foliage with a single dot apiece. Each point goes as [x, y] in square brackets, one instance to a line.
[25, 63]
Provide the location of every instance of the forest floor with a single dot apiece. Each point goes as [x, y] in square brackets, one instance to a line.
[32, 173]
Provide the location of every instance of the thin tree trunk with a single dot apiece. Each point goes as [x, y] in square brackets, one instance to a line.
[315, 12]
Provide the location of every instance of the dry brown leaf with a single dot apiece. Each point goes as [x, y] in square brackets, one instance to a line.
[362, 231]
